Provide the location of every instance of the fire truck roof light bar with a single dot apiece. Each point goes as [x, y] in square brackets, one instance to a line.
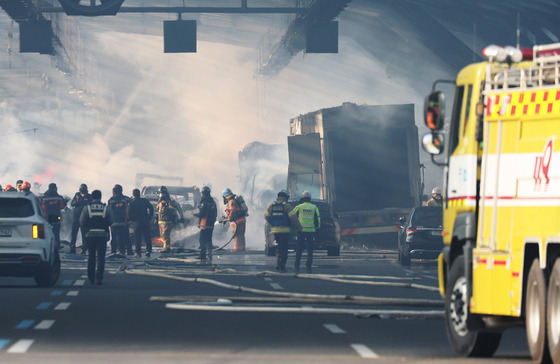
[494, 53]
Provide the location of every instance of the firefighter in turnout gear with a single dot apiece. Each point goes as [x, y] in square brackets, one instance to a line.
[436, 199]
[81, 199]
[310, 221]
[236, 218]
[95, 220]
[279, 215]
[53, 204]
[207, 213]
[169, 213]
[120, 237]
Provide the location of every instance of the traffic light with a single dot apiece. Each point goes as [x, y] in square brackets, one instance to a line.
[179, 36]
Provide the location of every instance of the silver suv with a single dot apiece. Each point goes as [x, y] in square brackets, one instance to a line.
[27, 245]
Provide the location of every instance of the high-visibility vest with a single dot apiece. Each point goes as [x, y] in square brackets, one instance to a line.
[308, 216]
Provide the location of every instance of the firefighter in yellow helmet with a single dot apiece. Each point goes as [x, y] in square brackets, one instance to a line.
[169, 213]
[436, 199]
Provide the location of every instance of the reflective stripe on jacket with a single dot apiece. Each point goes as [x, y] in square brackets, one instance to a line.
[278, 216]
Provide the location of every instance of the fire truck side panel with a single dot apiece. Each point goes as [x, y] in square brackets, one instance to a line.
[520, 195]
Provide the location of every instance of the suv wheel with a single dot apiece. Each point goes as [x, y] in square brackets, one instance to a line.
[48, 274]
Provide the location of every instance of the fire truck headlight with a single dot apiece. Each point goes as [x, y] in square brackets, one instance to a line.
[494, 53]
[514, 54]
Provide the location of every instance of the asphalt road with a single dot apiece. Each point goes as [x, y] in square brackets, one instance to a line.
[359, 307]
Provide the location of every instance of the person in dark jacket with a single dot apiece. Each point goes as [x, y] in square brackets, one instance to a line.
[120, 238]
[140, 213]
[95, 221]
[80, 199]
[207, 212]
[53, 204]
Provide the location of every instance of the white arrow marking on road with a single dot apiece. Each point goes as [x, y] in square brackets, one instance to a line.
[21, 346]
[334, 329]
[364, 351]
[62, 306]
[44, 325]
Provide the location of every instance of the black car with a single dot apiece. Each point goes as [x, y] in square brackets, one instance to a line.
[420, 234]
[328, 235]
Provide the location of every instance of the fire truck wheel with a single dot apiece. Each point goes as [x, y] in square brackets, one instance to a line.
[535, 313]
[465, 341]
[553, 314]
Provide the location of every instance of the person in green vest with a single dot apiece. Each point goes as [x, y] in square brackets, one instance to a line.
[436, 199]
[310, 221]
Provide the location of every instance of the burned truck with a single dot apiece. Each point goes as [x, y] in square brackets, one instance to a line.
[364, 161]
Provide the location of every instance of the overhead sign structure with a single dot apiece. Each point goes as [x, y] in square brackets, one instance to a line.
[90, 7]
[179, 36]
[36, 37]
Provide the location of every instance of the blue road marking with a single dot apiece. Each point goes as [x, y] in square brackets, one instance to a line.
[43, 306]
[67, 282]
[25, 324]
[56, 293]
[3, 342]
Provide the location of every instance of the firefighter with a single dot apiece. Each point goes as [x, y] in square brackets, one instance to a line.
[279, 216]
[95, 220]
[436, 199]
[207, 213]
[120, 238]
[80, 199]
[310, 221]
[53, 204]
[25, 187]
[140, 214]
[236, 219]
[169, 213]
[9, 188]
[18, 185]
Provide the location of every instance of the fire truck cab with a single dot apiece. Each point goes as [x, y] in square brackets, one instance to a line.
[500, 266]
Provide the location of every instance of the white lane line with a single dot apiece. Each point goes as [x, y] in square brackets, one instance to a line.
[276, 286]
[80, 282]
[72, 293]
[334, 329]
[44, 325]
[364, 351]
[21, 346]
[62, 306]
[84, 276]
[268, 279]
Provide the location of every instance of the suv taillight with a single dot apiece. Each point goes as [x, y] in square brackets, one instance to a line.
[410, 232]
[38, 231]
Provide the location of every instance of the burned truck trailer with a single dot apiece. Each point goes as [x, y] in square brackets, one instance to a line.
[363, 160]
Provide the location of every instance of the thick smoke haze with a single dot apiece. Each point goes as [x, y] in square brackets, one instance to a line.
[111, 104]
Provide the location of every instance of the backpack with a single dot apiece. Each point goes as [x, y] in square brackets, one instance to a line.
[244, 210]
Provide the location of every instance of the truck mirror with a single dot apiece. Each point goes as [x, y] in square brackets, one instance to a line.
[434, 110]
[433, 143]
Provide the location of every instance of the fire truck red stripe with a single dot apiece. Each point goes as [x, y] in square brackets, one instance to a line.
[533, 97]
[557, 95]
[549, 107]
[513, 110]
[525, 109]
[545, 97]
[537, 108]
[500, 262]
[515, 274]
[521, 97]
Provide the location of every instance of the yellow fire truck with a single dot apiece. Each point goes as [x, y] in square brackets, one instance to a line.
[500, 267]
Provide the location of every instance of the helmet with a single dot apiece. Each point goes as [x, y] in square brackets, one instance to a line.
[284, 193]
[9, 188]
[205, 190]
[83, 188]
[117, 188]
[306, 194]
[226, 192]
[436, 191]
[25, 186]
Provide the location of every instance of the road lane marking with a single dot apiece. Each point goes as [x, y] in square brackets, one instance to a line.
[80, 282]
[3, 342]
[21, 346]
[364, 351]
[44, 325]
[334, 329]
[67, 282]
[84, 276]
[25, 324]
[268, 279]
[72, 293]
[43, 305]
[56, 293]
[276, 286]
[62, 306]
